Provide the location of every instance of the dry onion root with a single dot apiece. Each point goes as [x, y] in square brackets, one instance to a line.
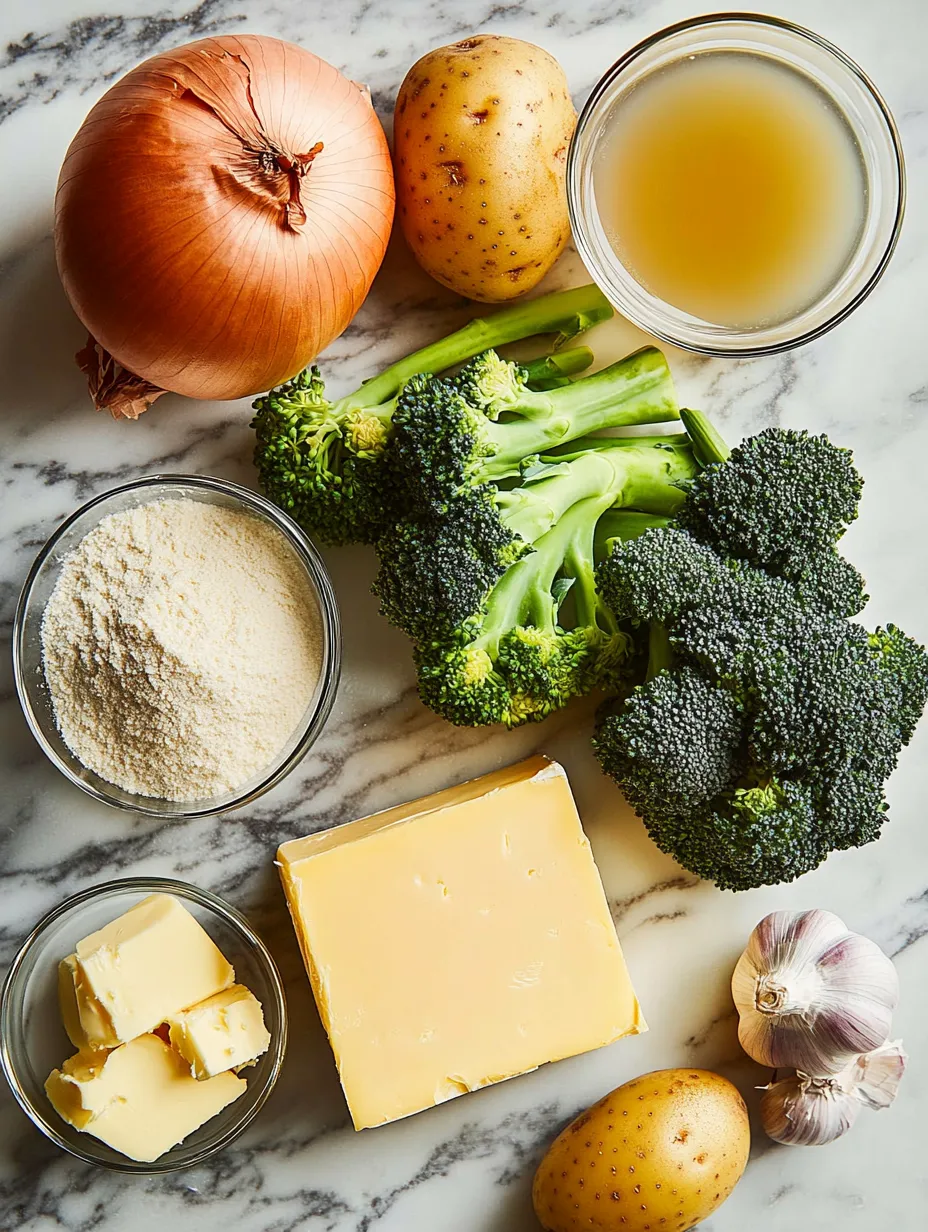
[220, 217]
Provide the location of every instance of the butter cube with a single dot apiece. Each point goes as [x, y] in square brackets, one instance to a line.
[457, 941]
[133, 974]
[226, 1031]
[140, 1099]
[67, 1002]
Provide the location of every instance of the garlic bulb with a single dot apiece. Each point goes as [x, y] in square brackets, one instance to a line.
[810, 994]
[805, 1111]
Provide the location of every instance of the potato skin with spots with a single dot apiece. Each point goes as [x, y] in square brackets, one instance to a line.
[481, 131]
[658, 1154]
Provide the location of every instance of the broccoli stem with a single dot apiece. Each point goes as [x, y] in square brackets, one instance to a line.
[559, 516]
[565, 313]
[574, 448]
[636, 390]
[580, 564]
[708, 444]
[637, 476]
[552, 371]
[621, 525]
[660, 652]
[523, 595]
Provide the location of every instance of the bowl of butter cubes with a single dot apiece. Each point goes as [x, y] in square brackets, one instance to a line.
[143, 1025]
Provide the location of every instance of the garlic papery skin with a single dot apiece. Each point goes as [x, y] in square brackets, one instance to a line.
[876, 1075]
[806, 1111]
[811, 995]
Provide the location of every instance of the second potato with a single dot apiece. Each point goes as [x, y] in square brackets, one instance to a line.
[481, 132]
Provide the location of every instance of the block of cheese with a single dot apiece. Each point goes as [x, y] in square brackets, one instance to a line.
[140, 1098]
[131, 975]
[226, 1031]
[458, 940]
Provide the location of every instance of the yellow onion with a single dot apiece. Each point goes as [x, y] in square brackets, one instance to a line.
[220, 217]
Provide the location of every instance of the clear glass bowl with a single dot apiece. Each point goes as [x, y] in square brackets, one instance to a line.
[849, 89]
[33, 1041]
[29, 673]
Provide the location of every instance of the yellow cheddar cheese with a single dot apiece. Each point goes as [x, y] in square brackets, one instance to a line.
[458, 940]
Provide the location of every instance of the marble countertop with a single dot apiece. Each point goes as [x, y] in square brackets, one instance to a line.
[466, 1166]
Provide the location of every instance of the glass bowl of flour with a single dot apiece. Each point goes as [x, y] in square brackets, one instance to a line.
[177, 646]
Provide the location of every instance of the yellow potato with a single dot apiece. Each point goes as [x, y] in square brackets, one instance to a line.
[657, 1155]
[481, 130]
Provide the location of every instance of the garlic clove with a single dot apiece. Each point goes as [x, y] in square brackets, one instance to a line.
[801, 1110]
[804, 1111]
[810, 994]
[876, 1075]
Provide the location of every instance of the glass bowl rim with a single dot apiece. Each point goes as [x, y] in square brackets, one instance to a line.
[576, 214]
[309, 729]
[145, 885]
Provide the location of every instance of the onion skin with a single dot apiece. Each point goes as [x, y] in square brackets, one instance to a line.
[220, 217]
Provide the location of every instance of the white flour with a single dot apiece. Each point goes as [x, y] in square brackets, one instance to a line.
[182, 645]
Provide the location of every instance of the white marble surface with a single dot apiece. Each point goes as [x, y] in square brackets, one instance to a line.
[465, 1167]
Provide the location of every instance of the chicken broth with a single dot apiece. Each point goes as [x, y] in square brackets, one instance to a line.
[731, 187]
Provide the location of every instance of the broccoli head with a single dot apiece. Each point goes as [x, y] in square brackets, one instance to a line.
[753, 835]
[321, 465]
[499, 594]
[763, 738]
[517, 659]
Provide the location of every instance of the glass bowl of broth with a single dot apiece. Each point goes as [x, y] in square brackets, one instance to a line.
[736, 185]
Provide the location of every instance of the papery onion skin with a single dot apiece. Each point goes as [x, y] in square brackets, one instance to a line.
[219, 219]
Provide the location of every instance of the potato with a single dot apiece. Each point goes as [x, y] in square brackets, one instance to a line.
[657, 1155]
[481, 131]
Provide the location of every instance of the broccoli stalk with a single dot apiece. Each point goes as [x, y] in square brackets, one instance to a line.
[322, 461]
[552, 371]
[708, 445]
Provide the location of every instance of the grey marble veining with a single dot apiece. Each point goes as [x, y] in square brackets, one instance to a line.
[466, 1166]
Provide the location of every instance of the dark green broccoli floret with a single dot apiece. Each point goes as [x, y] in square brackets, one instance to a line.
[818, 708]
[327, 463]
[676, 743]
[782, 495]
[903, 674]
[661, 574]
[750, 836]
[436, 571]
[827, 581]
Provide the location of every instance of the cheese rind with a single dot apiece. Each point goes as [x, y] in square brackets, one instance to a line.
[151, 962]
[457, 941]
[139, 1099]
[226, 1031]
